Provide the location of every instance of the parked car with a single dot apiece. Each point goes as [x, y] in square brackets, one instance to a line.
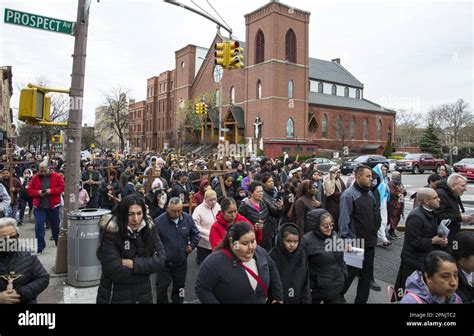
[418, 163]
[458, 166]
[323, 164]
[369, 160]
[468, 172]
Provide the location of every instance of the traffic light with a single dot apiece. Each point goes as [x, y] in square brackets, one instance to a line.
[221, 54]
[35, 105]
[204, 108]
[236, 55]
[57, 139]
[198, 108]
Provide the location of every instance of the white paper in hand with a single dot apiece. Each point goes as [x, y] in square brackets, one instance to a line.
[355, 258]
[443, 230]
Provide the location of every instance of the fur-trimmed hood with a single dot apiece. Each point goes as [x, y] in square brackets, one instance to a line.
[109, 223]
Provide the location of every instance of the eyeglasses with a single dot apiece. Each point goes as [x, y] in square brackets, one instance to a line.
[328, 225]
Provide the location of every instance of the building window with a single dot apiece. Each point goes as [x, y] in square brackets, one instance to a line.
[290, 90]
[366, 129]
[290, 46]
[290, 128]
[358, 94]
[182, 65]
[379, 130]
[232, 95]
[334, 89]
[259, 89]
[324, 126]
[339, 130]
[352, 129]
[346, 92]
[320, 87]
[259, 47]
[217, 73]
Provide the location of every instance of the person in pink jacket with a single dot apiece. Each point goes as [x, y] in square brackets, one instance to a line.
[204, 216]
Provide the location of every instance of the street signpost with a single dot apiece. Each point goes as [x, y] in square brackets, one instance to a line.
[39, 22]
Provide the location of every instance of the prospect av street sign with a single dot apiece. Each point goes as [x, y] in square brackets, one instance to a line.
[39, 22]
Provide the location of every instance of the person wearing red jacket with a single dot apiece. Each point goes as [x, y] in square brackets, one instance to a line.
[46, 188]
[227, 216]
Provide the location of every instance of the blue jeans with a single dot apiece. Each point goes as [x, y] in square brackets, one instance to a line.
[40, 220]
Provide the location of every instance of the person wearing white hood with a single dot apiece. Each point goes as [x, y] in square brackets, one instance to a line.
[384, 195]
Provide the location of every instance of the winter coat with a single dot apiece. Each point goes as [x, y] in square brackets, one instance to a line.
[359, 215]
[293, 270]
[219, 229]
[420, 228]
[204, 217]
[92, 189]
[198, 197]
[176, 237]
[269, 197]
[120, 284]
[34, 279]
[418, 292]
[230, 192]
[248, 211]
[448, 209]
[222, 280]
[56, 185]
[327, 269]
[465, 291]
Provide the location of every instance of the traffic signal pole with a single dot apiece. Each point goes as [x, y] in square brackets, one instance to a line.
[74, 130]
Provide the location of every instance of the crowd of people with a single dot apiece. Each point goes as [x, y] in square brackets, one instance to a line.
[260, 229]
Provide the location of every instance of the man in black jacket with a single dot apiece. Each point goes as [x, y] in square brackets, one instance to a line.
[448, 192]
[360, 219]
[22, 277]
[180, 236]
[421, 237]
[91, 181]
[463, 252]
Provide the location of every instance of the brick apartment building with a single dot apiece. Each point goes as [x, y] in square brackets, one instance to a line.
[304, 103]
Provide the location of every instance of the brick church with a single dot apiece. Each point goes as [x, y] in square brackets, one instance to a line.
[302, 104]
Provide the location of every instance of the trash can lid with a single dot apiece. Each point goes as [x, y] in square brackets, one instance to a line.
[85, 214]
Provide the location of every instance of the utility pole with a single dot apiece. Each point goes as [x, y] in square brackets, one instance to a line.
[74, 130]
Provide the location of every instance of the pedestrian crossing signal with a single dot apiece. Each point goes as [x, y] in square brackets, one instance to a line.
[35, 105]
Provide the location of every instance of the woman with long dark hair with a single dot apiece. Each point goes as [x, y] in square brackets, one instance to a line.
[239, 271]
[130, 250]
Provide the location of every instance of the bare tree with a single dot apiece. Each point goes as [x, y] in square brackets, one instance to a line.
[344, 131]
[116, 114]
[407, 124]
[451, 117]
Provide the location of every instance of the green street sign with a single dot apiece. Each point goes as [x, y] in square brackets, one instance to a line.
[39, 22]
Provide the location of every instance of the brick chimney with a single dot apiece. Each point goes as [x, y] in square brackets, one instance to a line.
[336, 60]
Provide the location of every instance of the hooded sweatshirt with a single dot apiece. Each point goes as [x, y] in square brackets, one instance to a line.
[219, 229]
[418, 292]
[293, 270]
[383, 188]
[198, 197]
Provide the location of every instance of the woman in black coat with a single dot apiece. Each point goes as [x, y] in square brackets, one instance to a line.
[130, 251]
[292, 265]
[257, 212]
[238, 271]
[327, 269]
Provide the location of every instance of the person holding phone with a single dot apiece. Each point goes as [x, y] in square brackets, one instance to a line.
[256, 211]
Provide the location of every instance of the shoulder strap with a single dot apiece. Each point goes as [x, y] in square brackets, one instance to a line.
[252, 273]
[416, 297]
